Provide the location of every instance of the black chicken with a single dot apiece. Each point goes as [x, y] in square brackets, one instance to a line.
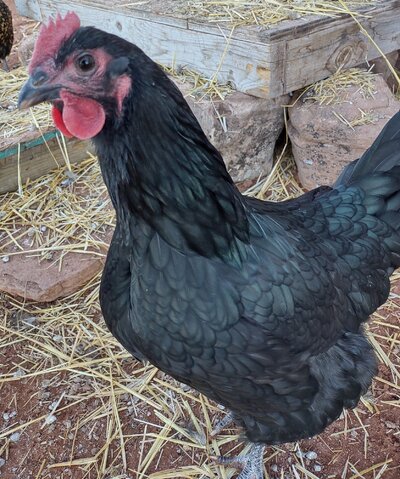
[6, 32]
[258, 305]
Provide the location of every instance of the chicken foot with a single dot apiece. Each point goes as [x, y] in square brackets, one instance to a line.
[252, 464]
[227, 420]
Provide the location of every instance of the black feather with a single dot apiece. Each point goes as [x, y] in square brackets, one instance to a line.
[256, 304]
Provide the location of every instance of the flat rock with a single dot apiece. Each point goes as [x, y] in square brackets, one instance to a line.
[243, 128]
[323, 144]
[25, 276]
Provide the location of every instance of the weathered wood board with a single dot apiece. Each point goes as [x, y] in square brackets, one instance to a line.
[36, 157]
[256, 60]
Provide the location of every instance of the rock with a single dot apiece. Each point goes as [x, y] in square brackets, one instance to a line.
[40, 281]
[311, 455]
[243, 128]
[391, 425]
[45, 383]
[44, 395]
[50, 419]
[323, 145]
[2, 462]
[9, 415]
[30, 320]
[53, 405]
[184, 387]
[15, 437]
[68, 423]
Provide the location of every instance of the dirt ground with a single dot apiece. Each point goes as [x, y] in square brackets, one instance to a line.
[75, 405]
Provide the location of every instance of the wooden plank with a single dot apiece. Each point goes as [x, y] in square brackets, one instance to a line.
[316, 51]
[310, 48]
[37, 157]
[165, 43]
[265, 62]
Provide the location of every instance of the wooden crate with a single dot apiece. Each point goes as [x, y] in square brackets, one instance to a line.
[256, 60]
[36, 156]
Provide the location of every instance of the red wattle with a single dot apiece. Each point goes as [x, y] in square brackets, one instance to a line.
[59, 122]
[82, 117]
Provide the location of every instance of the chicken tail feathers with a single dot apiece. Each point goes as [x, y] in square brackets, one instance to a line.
[376, 176]
[383, 155]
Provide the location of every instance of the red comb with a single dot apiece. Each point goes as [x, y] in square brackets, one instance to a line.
[51, 37]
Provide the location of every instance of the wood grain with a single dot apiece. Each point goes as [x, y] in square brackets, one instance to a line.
[256, 60]
[37, 157]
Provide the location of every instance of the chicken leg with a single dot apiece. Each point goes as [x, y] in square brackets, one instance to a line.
[251, 463]
[227, 420]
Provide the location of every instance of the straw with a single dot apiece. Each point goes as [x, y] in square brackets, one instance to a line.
[264, 12]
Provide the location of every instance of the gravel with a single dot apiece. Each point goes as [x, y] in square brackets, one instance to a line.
[53, 405]
[311, 455]
[15, 437]
[50, 419]
[31, 320]
[9, 415]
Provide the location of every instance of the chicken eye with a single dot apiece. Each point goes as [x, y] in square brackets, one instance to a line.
[85, 63]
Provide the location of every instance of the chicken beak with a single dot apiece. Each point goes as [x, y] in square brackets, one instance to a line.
[37, 90]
